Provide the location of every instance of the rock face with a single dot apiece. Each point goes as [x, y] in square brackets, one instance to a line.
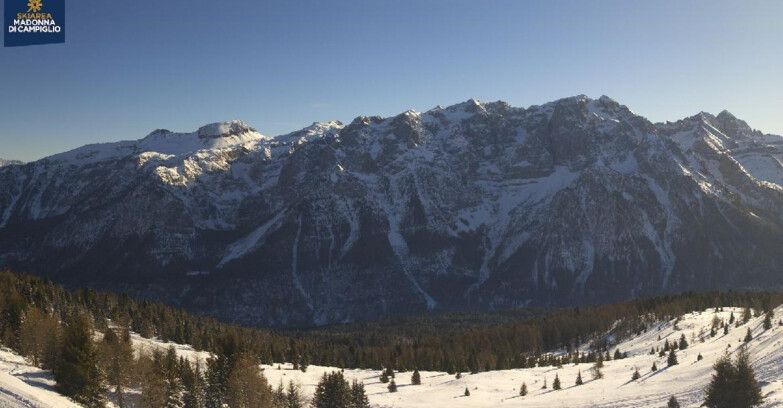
[471, 207]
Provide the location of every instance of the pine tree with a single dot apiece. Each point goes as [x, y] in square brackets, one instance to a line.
[523, 390]
[467, 392]
[246, 386]
[556, 383]
[117, 357]
[358, 396]
[384, 378]
[720, 391]
[683, 342]
[654, 367]
[77, 373]
[332, 392]
[699, 357]
[279, 396]
[635, 375]
[543, 387]
[392, 386]
[216, 378]
[746, 315]
[747, 387]
[293, 396]
[672, 359]
[731, 318]
[617, 354]
[597, 366]
[748, 336]
[725, 329]
[192, 385]
[768, 321]
[673, 403]
[579, 378]
[416, 377]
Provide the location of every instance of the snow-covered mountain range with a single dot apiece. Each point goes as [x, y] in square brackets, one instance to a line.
[473, 206]
[4, 162]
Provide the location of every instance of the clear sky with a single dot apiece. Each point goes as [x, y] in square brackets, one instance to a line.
[128, 67]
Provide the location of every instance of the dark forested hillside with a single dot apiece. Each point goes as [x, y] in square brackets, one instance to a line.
[478, 341]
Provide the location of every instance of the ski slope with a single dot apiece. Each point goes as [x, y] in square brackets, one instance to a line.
[22, 385]
[686, 381]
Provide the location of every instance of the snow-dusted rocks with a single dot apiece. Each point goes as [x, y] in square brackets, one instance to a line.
[473, 206]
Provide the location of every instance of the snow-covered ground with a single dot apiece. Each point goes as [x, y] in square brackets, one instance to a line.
[686, 381]
[22, 385]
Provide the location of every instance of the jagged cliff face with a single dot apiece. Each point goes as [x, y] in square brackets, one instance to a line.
[474, 206]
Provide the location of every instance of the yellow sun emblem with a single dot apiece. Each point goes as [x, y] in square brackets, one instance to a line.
[35, 5]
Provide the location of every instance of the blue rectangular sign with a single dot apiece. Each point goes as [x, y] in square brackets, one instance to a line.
[31, 22]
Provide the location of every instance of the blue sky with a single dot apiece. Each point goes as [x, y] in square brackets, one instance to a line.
[129, 67]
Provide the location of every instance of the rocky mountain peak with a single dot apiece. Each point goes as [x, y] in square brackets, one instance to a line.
[224, 129]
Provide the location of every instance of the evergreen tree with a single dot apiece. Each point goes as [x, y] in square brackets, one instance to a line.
[77, 373]
[416, 378]
[747, 387]
[279, 396]
[523, 390]
[746, 315]
[293, 396]
[617, 354]
[721, 391]
[731, 318]
[579, 378]
[556, 383]
[117, 357]
[672, 359]
[597, 366]
[699, 357]
[358, 396]
[216, 378]
[384, 378]
[246, 386]
[748, 336]
[392, 386]
[725, 329]
[543, 387]
[683, 342]
[635, 375]
[673, 403]
[467, 392]
[192, 385]
[654, 367]
[39, 335]
[332, 392]
[768, 321]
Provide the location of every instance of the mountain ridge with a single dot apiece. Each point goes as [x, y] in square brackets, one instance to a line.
[474, 206]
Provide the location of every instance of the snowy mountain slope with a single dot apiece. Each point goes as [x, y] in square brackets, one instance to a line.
[22, 385]
[687, 380]
[25, 386]
[473, 206]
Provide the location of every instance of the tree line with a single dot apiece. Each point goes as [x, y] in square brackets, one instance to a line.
[54, 327]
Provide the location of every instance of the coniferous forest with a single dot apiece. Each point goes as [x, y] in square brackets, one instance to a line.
[83, 337]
